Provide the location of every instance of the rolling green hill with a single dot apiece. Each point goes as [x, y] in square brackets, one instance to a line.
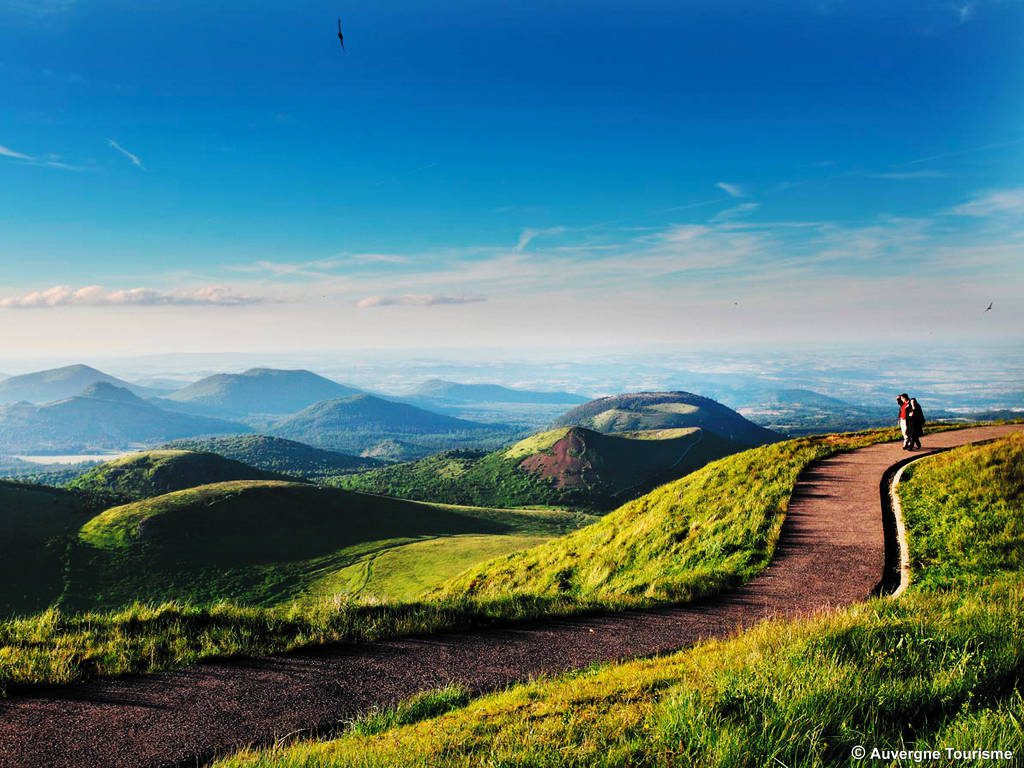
[59, 383]
[691, 538]
[275, 454]
[153, 473]
[938, 668]
[666, 410]
[360, 423]
[568, 466]
[101, 417]
[36, 524]
[259, 391]
[255, 542]
[698, 535]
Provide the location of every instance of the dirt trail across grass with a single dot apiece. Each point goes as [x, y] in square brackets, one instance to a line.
[832, 552]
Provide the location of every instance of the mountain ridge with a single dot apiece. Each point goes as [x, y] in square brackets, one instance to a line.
[274, 391]
[53, 384]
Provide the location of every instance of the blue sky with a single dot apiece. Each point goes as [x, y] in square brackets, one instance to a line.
[182, 176]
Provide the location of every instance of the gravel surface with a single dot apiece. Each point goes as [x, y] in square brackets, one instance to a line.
[832, 552]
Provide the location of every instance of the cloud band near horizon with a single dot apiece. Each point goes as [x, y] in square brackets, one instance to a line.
[98, 296]
[416, 300]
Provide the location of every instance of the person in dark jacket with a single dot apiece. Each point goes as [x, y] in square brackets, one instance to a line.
[915, 423]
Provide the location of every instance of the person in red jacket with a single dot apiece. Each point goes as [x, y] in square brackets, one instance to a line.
[904, 403]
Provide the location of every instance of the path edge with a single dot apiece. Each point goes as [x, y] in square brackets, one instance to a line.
[896, 571]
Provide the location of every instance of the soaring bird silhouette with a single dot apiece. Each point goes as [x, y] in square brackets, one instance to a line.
[341, 37]
[988, 308]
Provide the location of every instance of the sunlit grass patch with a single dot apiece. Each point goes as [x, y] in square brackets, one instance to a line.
[942, 666]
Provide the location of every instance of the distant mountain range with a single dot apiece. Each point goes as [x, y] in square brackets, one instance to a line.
[441, 391]
[492, 402]
[259, 391]
[59, 383]
[360, 423]
[804, 412]
[437, 415]
[102, 417]
[666, 410]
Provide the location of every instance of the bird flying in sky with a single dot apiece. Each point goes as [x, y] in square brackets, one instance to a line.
[989, 307]
[341, 37]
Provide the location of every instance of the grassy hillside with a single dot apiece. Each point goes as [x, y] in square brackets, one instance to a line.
[101, 417]
[361, 422]
[153, 473]
[275, 454]
[253, 542]
[666, 410]
[700, 534]
[36, 524]
[406, 571]
[939, 668]
[966, 511]
[260, 391]
[568, 466]
[59, 646]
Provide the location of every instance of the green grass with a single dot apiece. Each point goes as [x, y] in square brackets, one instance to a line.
[696, 536]
[36, 525]
[987, 484]
[152, 473]
[404, 573]
[569, 466]
[942, 666]
[62, 646]
[541, 441]
[275, 454]
[261, 542]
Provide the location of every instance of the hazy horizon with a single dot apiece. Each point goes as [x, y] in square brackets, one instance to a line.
[974, 379]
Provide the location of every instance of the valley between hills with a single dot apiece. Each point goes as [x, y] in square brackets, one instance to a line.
[275, 511]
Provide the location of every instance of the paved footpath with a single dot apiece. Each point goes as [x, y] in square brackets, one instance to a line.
[831, 553]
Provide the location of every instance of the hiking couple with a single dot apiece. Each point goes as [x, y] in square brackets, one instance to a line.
[911, 421]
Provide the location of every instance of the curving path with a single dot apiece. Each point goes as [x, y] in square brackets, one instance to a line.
[832, 552]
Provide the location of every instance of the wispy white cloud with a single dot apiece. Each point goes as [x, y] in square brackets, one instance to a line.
[8, 152]
[132, 158]
[961, 152]
[98, 296]
[732, 190]
[965, 12]
[46, 161]
[906, 175]
[999, 202]
[688, 260]
[321, 268]
[734, 212]
[530, 234]
[416, 300]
